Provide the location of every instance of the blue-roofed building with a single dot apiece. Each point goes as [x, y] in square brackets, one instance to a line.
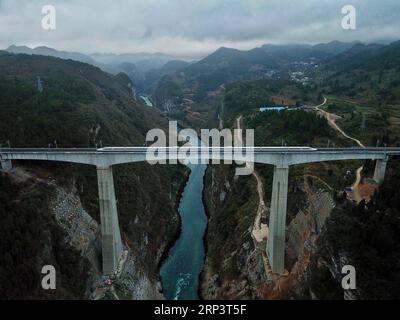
[267, 108]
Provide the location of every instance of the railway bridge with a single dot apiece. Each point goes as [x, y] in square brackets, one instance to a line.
[280, 157]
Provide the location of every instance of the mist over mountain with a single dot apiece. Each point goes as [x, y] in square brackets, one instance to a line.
[227, 65]
[77, 104]
[158, 59]
[90, 91]
[371, 56]
[46, 51]
[142, 60]
[144, 69]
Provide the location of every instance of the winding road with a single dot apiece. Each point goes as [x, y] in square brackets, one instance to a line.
[260, 230]
[331, 118]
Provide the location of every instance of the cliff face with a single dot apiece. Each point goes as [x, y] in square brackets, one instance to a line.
[83, 234]
[240, 269]
[70, 240]
[233, 267]
[301, 245]
[79, 106]
[32, 236]
[365, 236]
[324, 234]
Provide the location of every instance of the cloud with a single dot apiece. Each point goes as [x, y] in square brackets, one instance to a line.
[192, 27]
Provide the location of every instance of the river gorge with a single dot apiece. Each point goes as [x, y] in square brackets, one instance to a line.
[181, 270]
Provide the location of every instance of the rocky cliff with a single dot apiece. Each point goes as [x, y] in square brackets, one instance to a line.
[78, 106]
[240, 269]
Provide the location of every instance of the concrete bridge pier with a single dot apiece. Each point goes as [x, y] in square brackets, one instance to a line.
[111, 236]
[380, 170]
[6, 165]
[277, 220]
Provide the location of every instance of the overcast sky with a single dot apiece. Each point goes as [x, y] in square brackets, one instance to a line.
[192, 28]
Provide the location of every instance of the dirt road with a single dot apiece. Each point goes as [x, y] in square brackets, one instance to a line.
[332, 118]
[260, 230]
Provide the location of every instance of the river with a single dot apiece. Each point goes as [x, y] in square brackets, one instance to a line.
[146, 100]
[181, 270]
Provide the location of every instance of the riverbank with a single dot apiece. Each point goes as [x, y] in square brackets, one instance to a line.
[181, 268]
[205, 242]
[180, 272]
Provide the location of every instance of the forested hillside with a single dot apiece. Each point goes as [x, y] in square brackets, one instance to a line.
[367, 237]
[249, 96]
[79, 106]
[361, 87]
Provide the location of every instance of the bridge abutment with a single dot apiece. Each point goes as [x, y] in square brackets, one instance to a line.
[111, 236]
[6, 165]
[380, 170]
[277, 220]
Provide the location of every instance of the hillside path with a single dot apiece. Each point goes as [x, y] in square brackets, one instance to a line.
[332, 118]
[260, 230]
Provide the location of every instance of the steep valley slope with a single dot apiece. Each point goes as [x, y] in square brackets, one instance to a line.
[325, 229]
[49, 211]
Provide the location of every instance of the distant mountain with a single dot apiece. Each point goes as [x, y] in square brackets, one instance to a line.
[46, 51]
[364, 73]
[144, 69]
[220, 55]
[227, 65]
[174, 65]
[146, 61]
[331, 48]
[268, 56]
[335, 47]
[76, 97]
[224, 57]
[79, 106]
[145, 78]
[108, 61]
[365, 57]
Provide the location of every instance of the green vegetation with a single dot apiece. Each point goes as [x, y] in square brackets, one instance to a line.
[29, 239]
[293, 128]
[80, 106]
[369, 237]
[364, 121]
[168, 89]
[363, 86]
[249, 96]
[230, 221]
[226, 66]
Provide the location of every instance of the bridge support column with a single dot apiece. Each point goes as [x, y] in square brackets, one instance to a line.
[6, 165]
[111, 236]
[277, 220]
[380, 170]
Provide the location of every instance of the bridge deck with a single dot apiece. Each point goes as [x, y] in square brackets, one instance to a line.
[390, 150]
[279, 156]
